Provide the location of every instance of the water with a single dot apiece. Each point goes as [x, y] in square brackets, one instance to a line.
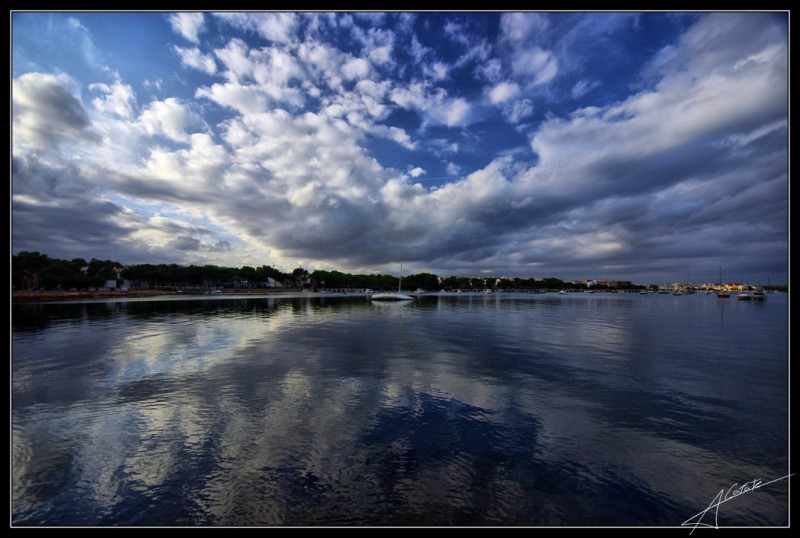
[490, 409]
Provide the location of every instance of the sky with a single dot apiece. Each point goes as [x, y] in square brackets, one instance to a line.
[641, 146]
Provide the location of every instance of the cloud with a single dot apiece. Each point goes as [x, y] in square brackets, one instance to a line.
[437, 107]
[392, 133]
[582, 87]
[300, 149]
[197, 60]
[189, 25]
[437, 71]
[275, 27]
[185, 243]
[46, 113]
[518, 110]
[117, 99]
[520, 27]
[377, 43]
[355, 68]
[169, 118]
[537, 65]
[503, 92]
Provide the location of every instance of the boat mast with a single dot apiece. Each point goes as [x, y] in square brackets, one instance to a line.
[400, 282]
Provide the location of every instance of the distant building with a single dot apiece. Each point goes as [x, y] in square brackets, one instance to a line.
[613, 283]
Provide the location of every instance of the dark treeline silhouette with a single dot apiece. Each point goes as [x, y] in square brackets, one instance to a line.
[32, 270]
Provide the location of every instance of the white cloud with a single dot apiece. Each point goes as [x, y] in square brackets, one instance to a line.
[117, 99]
[276, 27]
[418, 50]
[377, 43]
[189, 25]
[519, 110]
[392, 133]
[243, 99]
[194, 58]
[456, 32]
[157, 84]
[169, 118]
[234, 57]
[537, 64]
[503, 92]
[416, 171]
[381, 55]
[376, 90]
[437, 107]
[455, 112]
[437, 71]
[257, 78]
[355, 68]
[192, 173]
[520, 27]
[582, 87]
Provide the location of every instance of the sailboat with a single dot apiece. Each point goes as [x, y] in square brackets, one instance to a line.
[399, 296]
[722, 294]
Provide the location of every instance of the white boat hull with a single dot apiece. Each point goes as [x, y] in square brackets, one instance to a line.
[391, 297]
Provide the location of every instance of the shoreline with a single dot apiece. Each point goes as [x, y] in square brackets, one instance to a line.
[28, 296]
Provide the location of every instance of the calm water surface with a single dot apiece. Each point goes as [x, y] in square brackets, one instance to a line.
[491, 409]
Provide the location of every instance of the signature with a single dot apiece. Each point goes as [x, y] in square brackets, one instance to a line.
[724, 496]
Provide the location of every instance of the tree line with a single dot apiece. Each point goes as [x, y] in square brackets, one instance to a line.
[32, 270]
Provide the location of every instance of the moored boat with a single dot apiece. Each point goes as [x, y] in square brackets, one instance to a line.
[399, 296]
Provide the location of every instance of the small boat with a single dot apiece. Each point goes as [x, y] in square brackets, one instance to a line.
[758, 295]
[745, 296]
[723, 294]
[391, 297]
[399, 296]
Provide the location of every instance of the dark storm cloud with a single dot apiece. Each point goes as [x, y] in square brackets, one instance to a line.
[45, 113]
